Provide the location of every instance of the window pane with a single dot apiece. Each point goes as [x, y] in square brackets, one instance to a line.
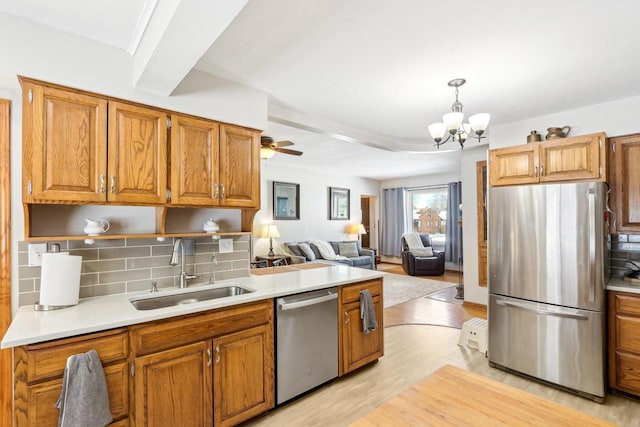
[428, 210]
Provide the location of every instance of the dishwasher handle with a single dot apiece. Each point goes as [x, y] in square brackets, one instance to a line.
[283, 305]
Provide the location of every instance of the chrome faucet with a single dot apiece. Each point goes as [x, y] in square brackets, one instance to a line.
[184, 277]
[214, 261]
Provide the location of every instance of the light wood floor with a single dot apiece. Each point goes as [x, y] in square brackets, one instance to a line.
[412, 352]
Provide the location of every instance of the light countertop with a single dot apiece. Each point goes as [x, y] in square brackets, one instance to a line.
[621, 285]
[113, 311]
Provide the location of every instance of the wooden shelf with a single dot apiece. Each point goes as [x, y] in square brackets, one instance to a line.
[133, 236]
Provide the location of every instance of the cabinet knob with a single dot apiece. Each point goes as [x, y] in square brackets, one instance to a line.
[208, 357]
[216, 187]
[535, 172]
[346, 317]
[541, 170]
[217, 354]
[222, 195]
[102, 183]
[113, 184]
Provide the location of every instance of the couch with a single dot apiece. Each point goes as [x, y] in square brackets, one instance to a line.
[415, 265]
[355, 255]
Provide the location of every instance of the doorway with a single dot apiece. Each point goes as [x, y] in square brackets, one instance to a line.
[369, 212]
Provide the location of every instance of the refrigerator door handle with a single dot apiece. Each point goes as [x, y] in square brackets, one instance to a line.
[541, 311]
[592, 244]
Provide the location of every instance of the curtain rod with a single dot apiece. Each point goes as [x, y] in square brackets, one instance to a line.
[425, 187]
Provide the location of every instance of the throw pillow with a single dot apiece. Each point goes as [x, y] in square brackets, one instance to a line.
[307, 251]
[350, 250]
[295, 249]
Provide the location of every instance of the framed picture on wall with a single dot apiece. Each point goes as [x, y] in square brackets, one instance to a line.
[339, 203]
[286, 200]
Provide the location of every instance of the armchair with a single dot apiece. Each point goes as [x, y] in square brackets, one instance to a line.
[415, 265]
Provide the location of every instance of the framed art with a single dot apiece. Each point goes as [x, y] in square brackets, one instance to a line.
[286, 200]
[339, 203]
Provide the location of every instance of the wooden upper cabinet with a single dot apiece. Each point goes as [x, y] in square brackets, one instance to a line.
[625, 183]
[239, 167]
[567, 159]
[514, 165]
[64, 145]
[194, 161]
[137, 160]
[570, 159]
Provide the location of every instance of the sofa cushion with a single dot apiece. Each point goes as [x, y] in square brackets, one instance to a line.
[295, 249]
[307, 251]
[361, 261]
[348, 249]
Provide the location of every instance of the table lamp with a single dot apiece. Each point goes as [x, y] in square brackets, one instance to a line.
[272, 231]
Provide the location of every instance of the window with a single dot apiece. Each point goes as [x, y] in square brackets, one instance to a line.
[428, 212]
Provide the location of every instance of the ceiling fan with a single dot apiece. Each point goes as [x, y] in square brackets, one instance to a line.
[268, 147]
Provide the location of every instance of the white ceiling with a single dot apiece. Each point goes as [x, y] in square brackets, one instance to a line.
[376, 73]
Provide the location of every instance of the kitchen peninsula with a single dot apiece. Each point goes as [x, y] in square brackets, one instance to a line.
[141, 350]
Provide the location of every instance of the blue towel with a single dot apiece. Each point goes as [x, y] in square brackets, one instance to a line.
[84, 400]
[367, 312]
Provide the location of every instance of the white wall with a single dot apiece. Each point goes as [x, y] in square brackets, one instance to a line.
[314, 220]
[614, 118]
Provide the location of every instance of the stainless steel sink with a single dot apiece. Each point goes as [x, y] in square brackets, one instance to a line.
[162, 301]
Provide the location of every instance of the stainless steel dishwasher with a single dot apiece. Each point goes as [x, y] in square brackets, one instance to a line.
[306, 342]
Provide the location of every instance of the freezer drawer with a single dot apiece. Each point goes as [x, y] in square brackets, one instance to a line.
[561, 345]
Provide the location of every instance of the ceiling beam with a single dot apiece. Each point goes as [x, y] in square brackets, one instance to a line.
[177, 36]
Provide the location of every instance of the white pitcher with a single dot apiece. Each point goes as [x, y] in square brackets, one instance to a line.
[94, 228]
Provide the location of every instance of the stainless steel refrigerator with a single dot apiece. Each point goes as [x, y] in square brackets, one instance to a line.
[547, 265]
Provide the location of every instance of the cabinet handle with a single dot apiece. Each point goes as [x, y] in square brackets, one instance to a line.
[346, 317]
[542, 170]
[216, 187]
[222, 195]
[113, 184]
[535, 172]
[208, 357]
[218, 354]
[102, 183]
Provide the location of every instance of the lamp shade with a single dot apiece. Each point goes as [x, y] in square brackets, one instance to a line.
[453, 121]
[272, 231]
[437, 130]
[480, 122]
[356, 229]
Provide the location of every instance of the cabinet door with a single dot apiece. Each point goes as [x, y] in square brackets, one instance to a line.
[64, 145]
[514, 165]
[359, 348]
[570, 159]
[239, 167]
[194, 161]
[625, 165]
[243, 375]
[43, 397]
[137, 154]
[173, 387]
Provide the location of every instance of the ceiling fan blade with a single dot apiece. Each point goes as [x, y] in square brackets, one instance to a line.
[288, 151]
[282, 144]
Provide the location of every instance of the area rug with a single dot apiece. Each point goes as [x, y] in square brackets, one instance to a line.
[399, 288]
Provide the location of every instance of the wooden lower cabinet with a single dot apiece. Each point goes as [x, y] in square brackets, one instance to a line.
[358, 348]
[243, 375]
[624, 342]
[38, 371]
[224, 378]
[174, 385]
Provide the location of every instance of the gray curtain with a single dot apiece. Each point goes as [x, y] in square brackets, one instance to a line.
[453, 235]
[393, 221]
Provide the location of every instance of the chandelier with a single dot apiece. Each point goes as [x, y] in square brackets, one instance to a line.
[452, 123]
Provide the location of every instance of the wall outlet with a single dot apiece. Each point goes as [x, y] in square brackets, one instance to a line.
[35, 253]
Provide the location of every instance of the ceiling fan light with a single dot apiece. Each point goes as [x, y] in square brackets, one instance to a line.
[437, 131]
[266, 153]
[480, 122]
[452, 121]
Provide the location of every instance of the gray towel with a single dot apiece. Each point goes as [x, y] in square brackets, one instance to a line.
[367, 312]
[84, 400]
